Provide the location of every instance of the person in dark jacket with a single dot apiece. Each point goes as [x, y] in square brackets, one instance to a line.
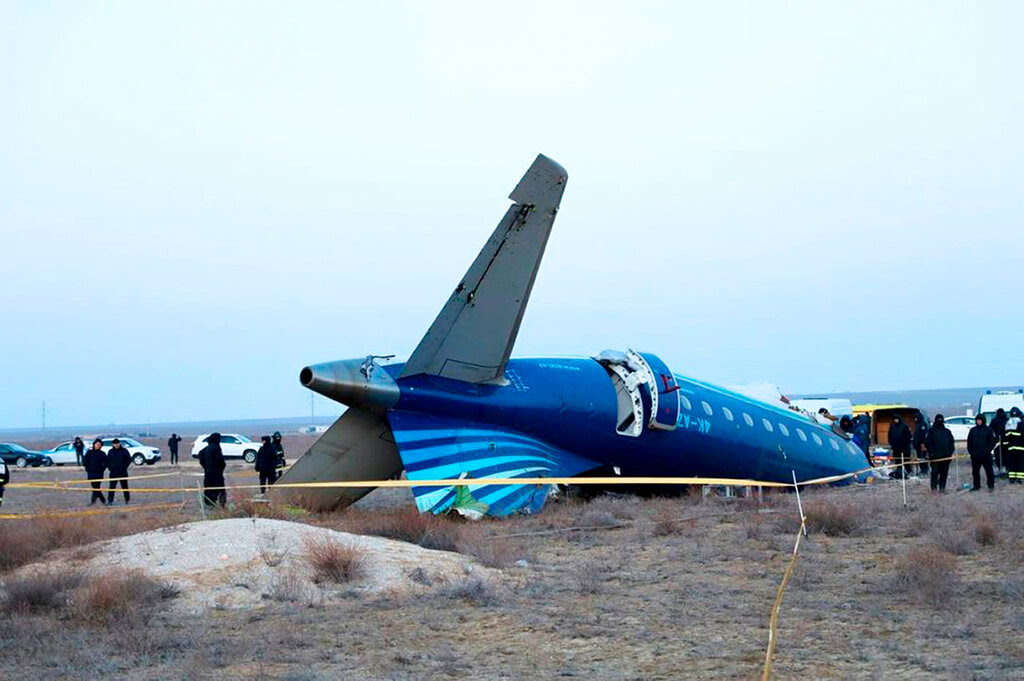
[999, 428]
[211, 458]
[980, 441]
[5, 477]
[95, 462]
[266, 464]
[862, 432]
[920, 433]
[1014, 455]
[940, 445]
[279, 448]
[79, 450]
[118, 460]
[900, 438]
[172, 445]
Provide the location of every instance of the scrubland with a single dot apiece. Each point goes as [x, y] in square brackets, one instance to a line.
[618, 587]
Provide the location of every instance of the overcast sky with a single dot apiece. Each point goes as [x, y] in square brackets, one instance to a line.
[196, 200]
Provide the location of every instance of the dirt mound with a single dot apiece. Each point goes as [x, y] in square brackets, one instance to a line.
[243, 562]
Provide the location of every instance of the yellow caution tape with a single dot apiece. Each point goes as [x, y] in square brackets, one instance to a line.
[773, 624]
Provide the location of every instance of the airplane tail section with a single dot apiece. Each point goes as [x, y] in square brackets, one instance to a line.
[437, 448]
[472, 337]
[359, 446]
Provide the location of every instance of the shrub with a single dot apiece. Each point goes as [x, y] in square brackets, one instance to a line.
[833, 518]
[926, 572]
[472, 590]
[954, 540]
[986, 532]
[119, 595]
[666, 524]
[285, 587]
[39, 591]
[597, 518]
[331, 560]
[754, 526]
[489, 551]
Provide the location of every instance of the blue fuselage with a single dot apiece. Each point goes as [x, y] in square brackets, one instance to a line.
[571, 404]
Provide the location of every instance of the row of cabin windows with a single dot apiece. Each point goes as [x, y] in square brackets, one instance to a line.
[685, 402]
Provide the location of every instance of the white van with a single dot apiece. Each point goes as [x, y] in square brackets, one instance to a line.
[1000, 399]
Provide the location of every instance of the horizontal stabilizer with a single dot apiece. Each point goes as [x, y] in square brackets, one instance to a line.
[435, 448]
[472, 338]
[357, 447]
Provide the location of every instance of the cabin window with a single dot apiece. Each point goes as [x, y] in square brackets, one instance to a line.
[767, 424]
[834, 444]
[746, 419]
[783, 429]
[817, 440]
[707, 408]
[728, 413]
[801, 434]
[685, 402]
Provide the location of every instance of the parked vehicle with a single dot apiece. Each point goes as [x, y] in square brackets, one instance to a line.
[1000, 399]
[141, 454]
[15, 454]
[233, 445]
[960, 426]
[881, 419]
[61, 455]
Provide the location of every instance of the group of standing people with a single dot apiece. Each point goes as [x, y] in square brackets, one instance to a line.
[97, 463]
[998, 444]
[269, 459]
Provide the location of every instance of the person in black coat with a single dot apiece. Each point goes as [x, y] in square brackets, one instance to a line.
[980, 442]
[279, 448]
[118, 460]
[79, 450]
[940, 445]
[95, 462]
[5, 477]
[920, 433]
[172, 445]
[266, 464]
[900, 438]
[998, 426]
[211, 458]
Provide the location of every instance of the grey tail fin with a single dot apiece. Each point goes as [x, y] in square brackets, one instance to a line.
[472, 338]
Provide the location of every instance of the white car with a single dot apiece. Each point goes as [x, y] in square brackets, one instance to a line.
[141, 454]
[233, 446]
[64, 453]
[960, 426]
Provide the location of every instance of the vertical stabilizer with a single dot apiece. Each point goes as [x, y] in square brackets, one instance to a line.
[472, 338]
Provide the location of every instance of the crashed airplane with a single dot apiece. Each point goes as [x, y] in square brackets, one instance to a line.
[461, 408]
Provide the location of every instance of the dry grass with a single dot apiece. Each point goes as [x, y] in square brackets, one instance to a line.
[333, 561]
[107, 598]
[25, 541]
[494, 552]
[926, 573]
[286, 587]
[39, 591]
[986, 531]
[118, 595]
[958, 541]
[836, 518]
[472, 590]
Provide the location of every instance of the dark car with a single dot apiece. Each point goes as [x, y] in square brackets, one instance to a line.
[19, 456]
